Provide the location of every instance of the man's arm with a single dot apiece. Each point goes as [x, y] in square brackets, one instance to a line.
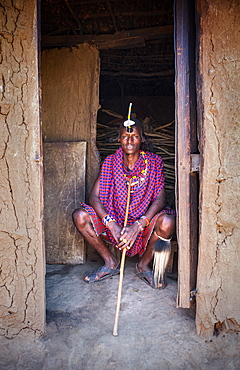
[101, 211]
[156, 206]
[130, 233]
[95, 201]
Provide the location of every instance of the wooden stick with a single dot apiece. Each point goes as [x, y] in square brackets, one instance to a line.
[119, 295]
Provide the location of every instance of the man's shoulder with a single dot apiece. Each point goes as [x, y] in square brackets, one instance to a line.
[110, 160]
[111, 157]
[154, 157]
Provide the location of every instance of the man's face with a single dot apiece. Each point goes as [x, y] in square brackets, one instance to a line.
[130, 142]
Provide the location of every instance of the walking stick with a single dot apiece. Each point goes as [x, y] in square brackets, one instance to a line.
[115, 327]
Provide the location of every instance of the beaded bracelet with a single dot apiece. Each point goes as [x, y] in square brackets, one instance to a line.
[140, 225]
[146, 219]
[107, 219]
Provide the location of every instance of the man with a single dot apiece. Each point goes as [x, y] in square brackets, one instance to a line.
[148, 219]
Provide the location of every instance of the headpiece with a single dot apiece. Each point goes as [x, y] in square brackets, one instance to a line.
[129, 123]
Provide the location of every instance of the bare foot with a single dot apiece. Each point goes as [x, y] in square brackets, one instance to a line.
[147, 275]
[102, 273]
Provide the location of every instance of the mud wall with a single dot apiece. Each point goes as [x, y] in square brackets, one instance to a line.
[218, 92]
[22, 293]
[70, 99]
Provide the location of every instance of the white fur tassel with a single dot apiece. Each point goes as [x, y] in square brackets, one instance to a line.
[162, 250]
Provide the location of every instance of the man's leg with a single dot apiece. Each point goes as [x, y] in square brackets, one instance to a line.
[83, 223]
[164, 227]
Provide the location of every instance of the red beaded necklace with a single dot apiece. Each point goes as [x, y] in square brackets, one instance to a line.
[138, 180]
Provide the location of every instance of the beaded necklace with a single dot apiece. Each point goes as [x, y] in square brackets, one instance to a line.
[138, 180]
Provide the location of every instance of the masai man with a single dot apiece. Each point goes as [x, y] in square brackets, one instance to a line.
[148, 220]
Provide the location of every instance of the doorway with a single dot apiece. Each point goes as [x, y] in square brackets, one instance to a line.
[138, 67]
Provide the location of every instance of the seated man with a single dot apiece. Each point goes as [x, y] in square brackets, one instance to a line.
[148, 219]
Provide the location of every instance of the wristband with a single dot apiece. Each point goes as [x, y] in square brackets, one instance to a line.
[146, 219]
[107, 219]
[140, 225]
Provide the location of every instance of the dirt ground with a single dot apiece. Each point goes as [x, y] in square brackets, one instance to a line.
[153, 333]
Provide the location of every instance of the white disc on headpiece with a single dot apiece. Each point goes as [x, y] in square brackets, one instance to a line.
[128, 122]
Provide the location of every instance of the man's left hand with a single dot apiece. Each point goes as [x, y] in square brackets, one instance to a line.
[128, 236]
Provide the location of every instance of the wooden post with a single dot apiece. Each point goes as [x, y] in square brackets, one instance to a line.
[186, 144]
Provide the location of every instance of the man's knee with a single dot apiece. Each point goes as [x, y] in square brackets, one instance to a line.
[79, 217]
[167, 222]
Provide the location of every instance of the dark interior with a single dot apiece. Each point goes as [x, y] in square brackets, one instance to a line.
[136, 45]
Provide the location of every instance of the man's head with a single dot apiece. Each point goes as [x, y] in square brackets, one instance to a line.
[131, 141]
[137, 123]
[145, 143]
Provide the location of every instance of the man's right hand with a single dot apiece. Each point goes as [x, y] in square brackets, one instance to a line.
[115, 230]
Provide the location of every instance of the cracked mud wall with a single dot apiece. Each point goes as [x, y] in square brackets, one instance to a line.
[22, 293]
[219, 252]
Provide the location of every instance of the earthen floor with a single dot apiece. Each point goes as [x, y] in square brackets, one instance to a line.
[152, 334]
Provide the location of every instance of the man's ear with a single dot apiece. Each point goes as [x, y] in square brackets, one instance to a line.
[118, 139]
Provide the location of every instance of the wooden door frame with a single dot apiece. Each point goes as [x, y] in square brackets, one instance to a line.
[186, 150]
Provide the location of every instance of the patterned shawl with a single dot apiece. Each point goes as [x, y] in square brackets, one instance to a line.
[113, 195]
[113, 187]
